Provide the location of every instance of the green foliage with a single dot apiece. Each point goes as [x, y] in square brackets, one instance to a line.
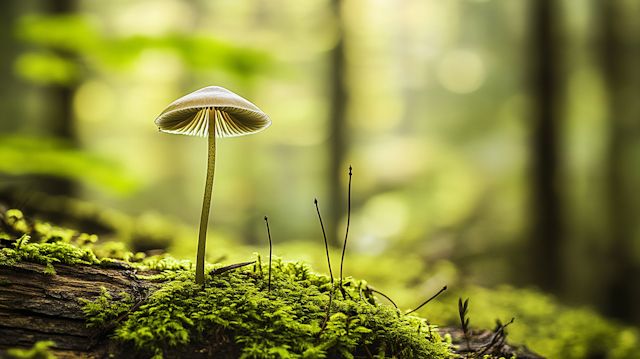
[105, 308]
[40, 350]
[47, 68]
[553, 330]
[49, 156]
[283, 323]
[47, 254]
[80, 36]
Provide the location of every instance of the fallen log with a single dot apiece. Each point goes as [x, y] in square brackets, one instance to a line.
[35, 307]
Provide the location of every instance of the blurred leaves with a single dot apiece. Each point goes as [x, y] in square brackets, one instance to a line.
[47, 68]
[71, 33]
[65, 37]
[48, 156]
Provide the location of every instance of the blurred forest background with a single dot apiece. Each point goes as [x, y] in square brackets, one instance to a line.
[492, 141]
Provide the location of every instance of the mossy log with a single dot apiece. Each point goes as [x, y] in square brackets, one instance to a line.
[35, 306]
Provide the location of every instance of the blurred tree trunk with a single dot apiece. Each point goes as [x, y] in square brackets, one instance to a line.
[12, 89]
[18, 95]
[621, 58]
[59, 117]
[338, 139]
[546, 243]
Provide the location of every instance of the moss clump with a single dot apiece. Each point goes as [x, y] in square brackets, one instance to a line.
[105, 308]
[235, 308]
[40, 350]
[283, 323]
[553, 330]
[46, 254]
[14, 224]
[44, 243]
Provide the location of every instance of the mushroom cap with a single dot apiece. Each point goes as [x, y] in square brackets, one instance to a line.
[236, 116]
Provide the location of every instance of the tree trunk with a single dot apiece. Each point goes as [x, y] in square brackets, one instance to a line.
[546, 243]
[337, 130]
[621, 54]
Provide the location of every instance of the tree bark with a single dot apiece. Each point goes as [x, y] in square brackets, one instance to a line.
[35, 306]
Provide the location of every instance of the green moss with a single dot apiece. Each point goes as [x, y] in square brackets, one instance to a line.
[46, 254]
[105, 308]
[40, 350]
[57, 245]
[551, 329]
[283, 323]
[15, 223]
[286, 322]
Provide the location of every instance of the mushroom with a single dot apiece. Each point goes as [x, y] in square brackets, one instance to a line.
[231, 116]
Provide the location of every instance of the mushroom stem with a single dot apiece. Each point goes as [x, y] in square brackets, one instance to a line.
[206, 204]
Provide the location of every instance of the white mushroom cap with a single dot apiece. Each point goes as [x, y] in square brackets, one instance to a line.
[236, 116]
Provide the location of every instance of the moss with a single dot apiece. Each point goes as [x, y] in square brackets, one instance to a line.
[16, 224]
[46, 254]
[46, 244]
[40, 350]
[551, 329]
[105, 308]
[283, 323]
[286, 322]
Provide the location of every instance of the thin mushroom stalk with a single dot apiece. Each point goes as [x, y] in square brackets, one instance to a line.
[211, 112]
[208, 190]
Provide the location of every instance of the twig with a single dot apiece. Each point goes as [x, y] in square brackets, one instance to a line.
[367, 349]
[428, 300]
[134, 308]
[229, 267]
[499, 334]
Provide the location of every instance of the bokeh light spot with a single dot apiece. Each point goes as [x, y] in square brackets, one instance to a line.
[94, 102]
[461, 71]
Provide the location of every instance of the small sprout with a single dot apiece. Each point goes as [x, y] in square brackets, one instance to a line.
[344, 246]
[266, 219]
[211, 112]
[382, 294]
[326, 246]
[22, 240]
[462, 310]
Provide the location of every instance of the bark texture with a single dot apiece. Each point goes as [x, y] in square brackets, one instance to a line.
[35, 306]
